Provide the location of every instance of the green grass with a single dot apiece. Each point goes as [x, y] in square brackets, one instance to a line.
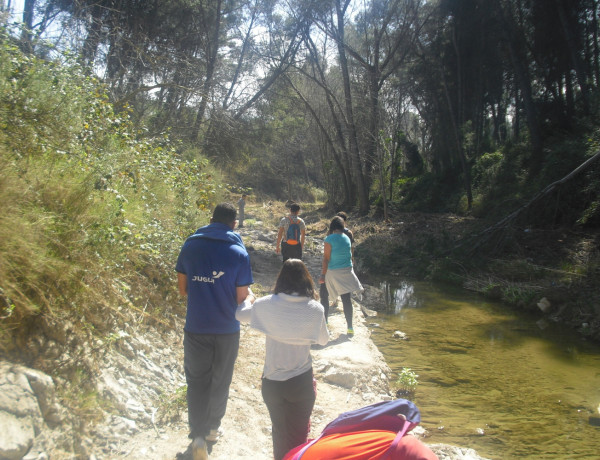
[92, 210]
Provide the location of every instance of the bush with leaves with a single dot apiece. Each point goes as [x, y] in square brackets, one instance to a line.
[92, 209]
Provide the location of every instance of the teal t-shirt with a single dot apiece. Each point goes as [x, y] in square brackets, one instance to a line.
[341, 255]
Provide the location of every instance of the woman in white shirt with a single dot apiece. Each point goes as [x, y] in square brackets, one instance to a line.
[292, 321]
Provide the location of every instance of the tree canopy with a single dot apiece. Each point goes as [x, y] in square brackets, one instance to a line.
[440, 104]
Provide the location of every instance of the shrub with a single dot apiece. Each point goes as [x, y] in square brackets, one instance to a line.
[407, 383]
[92, 210]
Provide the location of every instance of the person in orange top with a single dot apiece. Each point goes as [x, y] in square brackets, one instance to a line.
[374, 432]
[365, 445]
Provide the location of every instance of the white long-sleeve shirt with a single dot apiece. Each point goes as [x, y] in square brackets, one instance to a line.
[291, 324]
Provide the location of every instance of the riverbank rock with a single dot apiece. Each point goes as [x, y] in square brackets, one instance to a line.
[27, 407]
[373, 298]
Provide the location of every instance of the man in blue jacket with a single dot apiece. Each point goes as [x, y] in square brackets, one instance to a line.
[213, 271]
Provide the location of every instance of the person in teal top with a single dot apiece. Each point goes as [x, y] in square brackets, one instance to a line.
[337, 273]
[341, 253]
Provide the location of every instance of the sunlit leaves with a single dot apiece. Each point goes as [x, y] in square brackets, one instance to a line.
[84, 187]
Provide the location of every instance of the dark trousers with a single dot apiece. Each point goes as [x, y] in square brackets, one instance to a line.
[208, 363]
[291, 251]
[346, 302]
[290, 403]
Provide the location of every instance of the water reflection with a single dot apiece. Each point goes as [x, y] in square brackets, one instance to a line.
[400, 296]
[490, 379]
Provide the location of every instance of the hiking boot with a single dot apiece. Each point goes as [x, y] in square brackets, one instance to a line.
[214, 435]
[199, 450]
[350, 331]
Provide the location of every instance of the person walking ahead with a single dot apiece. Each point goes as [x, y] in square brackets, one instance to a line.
[241, 215]
[213, 271]
[347, 231]
[292, 320]
[291, 235]
[337, 272]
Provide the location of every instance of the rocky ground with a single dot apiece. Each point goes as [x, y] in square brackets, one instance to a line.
[142, 380]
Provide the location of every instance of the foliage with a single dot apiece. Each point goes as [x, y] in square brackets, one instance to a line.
[407, 381]
[92, 210]
[520, 296]
[497, 183]
[446, 270]
[455, 87]
[276, 157]
[575, 201]
[173, 405]
[486, 168]
[590, 190]
[430, 192]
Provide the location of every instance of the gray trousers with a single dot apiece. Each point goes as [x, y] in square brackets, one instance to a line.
[208, 364]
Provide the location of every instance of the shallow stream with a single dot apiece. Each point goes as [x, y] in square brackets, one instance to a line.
[505, 384]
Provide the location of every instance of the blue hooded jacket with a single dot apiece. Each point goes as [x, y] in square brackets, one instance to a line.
[216, 262]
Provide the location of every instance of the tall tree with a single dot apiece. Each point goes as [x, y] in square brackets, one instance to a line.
[337, 29]
[385, 36]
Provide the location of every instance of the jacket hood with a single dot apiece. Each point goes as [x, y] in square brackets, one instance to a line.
[220, 232]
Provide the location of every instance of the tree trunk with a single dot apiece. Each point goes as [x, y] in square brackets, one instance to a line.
[356, 163]
[574, 55]
[346, 180]
[211, 65]
[240, 61]
[524, 83]
[596, 62]
[458, 142]
[340, 153]
[26, 34]
[92, 40]
[380, 156]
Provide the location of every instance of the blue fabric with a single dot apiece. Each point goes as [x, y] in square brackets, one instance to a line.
[374, 416]
[216, 262]
[341, 254]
